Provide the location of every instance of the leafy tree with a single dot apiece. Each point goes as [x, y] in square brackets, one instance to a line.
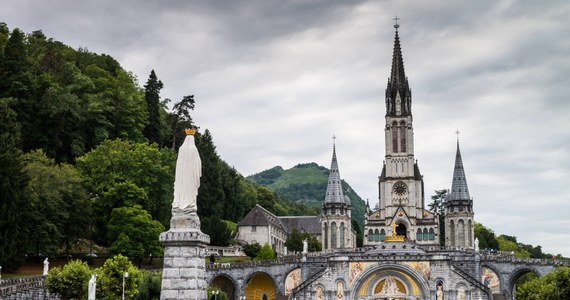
[110, 279]
[152, 97]
[294, 242]
[506, 243]
[60, 212]
[123, 173]
[486, 236]
[210, 194]
[69, 282]
[553, 286]
[251, 250]
[133, 232]
[437, 206]
[14, 193]
[218, 231]
[266, 253]
[359, 236]
[180, 118]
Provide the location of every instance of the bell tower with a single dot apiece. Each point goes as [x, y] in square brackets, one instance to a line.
[400, 184]
[459, 223]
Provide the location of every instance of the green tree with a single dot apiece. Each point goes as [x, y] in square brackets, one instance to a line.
[266, 253]
[14, 192]
[123, 173]
[294, 242]
[69, 282]
[111, 275]
[152, 97]
[507, 244]
[210, 194]
[217, 229]
[149, 286]
[251, 250]
[553, 286]
[133, 232]
[359, 236]
[437, 206]
[180, 118]
[486, 236]
[61, 210]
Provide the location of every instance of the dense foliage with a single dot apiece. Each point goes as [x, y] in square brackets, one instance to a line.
[69, 281]
[295, 240]
[81, 140]
[437, 207]
[553, 286]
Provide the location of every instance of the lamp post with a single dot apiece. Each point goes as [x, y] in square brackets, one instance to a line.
[125, 275]
[216, 292]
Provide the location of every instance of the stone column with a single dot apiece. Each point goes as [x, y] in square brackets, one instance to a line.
[184, 272]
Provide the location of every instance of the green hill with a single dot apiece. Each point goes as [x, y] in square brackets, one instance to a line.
[306, 184]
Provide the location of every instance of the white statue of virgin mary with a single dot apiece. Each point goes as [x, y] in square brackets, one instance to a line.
[187, 176]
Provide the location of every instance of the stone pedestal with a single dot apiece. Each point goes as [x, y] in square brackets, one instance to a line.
[184, 271]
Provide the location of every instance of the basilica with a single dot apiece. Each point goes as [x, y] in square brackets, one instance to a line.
[403, 256]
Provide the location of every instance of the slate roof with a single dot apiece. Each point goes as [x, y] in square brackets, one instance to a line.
[310, 224]
[459, 189]
[259, 216]
[334, 187]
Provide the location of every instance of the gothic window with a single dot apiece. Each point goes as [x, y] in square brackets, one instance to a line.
[460, 233]
[419, 235]
[469, 234]
[394, 138]
[426, 236]
[333, 235]
[431, 234]
[326, 236]
[370, 235]
[382, 235]
[341, 235]
[402, 137]
[451, 233]
[376, 235]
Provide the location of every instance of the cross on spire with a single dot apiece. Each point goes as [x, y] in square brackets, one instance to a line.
[396, 22]
[334, 138]
[457, 132]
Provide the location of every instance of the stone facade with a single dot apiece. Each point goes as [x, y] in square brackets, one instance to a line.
[184, 271]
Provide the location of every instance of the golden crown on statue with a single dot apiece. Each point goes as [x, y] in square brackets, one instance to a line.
[190, 131]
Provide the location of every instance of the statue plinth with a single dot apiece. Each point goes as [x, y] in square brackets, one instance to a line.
[184, 271]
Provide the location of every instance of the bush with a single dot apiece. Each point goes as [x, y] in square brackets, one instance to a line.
[149, 286]
[110, 280]
[69, 282]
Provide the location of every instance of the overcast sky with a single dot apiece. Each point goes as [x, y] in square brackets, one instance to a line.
[274, 80]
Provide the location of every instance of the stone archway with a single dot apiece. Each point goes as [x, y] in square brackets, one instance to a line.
[390, 281]
[260, 286]
[226, 284]
[515, 276]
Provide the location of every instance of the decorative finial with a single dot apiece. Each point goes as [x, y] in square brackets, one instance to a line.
[190, 131]
[396, 22]
[334, 138]
[458, 132]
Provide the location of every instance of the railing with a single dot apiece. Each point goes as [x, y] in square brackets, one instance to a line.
[14, 285]
[472, 280]
[306, 283]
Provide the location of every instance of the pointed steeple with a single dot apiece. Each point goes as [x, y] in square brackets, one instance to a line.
[459, 189]
[398, 93]
[334, 187]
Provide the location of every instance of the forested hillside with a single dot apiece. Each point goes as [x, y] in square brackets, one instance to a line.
[87, 154]
[307, 184]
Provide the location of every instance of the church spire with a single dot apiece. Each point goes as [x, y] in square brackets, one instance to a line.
[398, 93]
[334, 187]
[459, 189]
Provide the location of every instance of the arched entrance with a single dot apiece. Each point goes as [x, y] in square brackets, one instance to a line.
[260, 286]
[519, 277]
[402, 230]
[225, 284]
[390, 282]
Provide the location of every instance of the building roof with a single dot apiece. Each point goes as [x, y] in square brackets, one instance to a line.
[310, 224]
[259, 216]
[334, 187]
[459, 188]
[398, 83]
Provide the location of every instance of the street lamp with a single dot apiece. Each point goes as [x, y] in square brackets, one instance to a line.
[125, 275]
[216, 292]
